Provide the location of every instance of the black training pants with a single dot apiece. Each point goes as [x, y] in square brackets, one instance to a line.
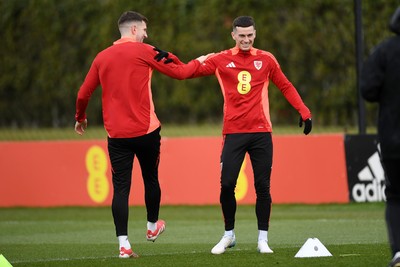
[122, 152]
[392, 171]
[259, 148]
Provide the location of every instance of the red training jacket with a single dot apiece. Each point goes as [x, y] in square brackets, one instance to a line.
[124, 72]
[244, 78]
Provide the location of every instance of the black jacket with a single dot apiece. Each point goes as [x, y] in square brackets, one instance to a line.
[380, 82]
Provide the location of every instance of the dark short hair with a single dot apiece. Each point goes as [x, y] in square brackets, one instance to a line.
[130, 16]
[243, 21]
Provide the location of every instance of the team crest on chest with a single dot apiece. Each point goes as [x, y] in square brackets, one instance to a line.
[258, 64]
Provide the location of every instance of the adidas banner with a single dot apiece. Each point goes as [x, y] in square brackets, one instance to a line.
[365, 174]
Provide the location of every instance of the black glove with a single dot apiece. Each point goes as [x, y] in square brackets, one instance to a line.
[307, 125]
[162, 54]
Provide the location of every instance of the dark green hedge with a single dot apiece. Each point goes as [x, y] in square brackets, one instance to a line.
[47, 47]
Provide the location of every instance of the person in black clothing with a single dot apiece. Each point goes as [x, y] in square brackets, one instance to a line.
[380, 82]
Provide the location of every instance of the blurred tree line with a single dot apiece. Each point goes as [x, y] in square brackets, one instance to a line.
[47, 47]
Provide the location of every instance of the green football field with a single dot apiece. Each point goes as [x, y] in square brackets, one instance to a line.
[354, 234]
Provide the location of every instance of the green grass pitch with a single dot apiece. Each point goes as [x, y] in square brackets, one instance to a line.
[355, 234]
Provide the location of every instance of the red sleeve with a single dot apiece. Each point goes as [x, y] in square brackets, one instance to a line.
[175, 59]
[86, 90]
[178, 71]
[288, 90]
[207, 68]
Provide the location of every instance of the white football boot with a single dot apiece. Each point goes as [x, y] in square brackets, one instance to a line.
[225, 242]
[263, 247]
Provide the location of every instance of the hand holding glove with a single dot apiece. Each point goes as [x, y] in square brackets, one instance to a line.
[162, 54]
[307, 125]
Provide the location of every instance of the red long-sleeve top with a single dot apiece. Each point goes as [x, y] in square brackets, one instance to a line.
[244, 78]
[124, 72]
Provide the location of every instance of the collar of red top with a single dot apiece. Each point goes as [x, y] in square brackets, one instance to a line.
[124, 40]
[236, 50]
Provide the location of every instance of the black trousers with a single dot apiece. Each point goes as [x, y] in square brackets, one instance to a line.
[259, 147]
[122, 151]
[392, 191]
